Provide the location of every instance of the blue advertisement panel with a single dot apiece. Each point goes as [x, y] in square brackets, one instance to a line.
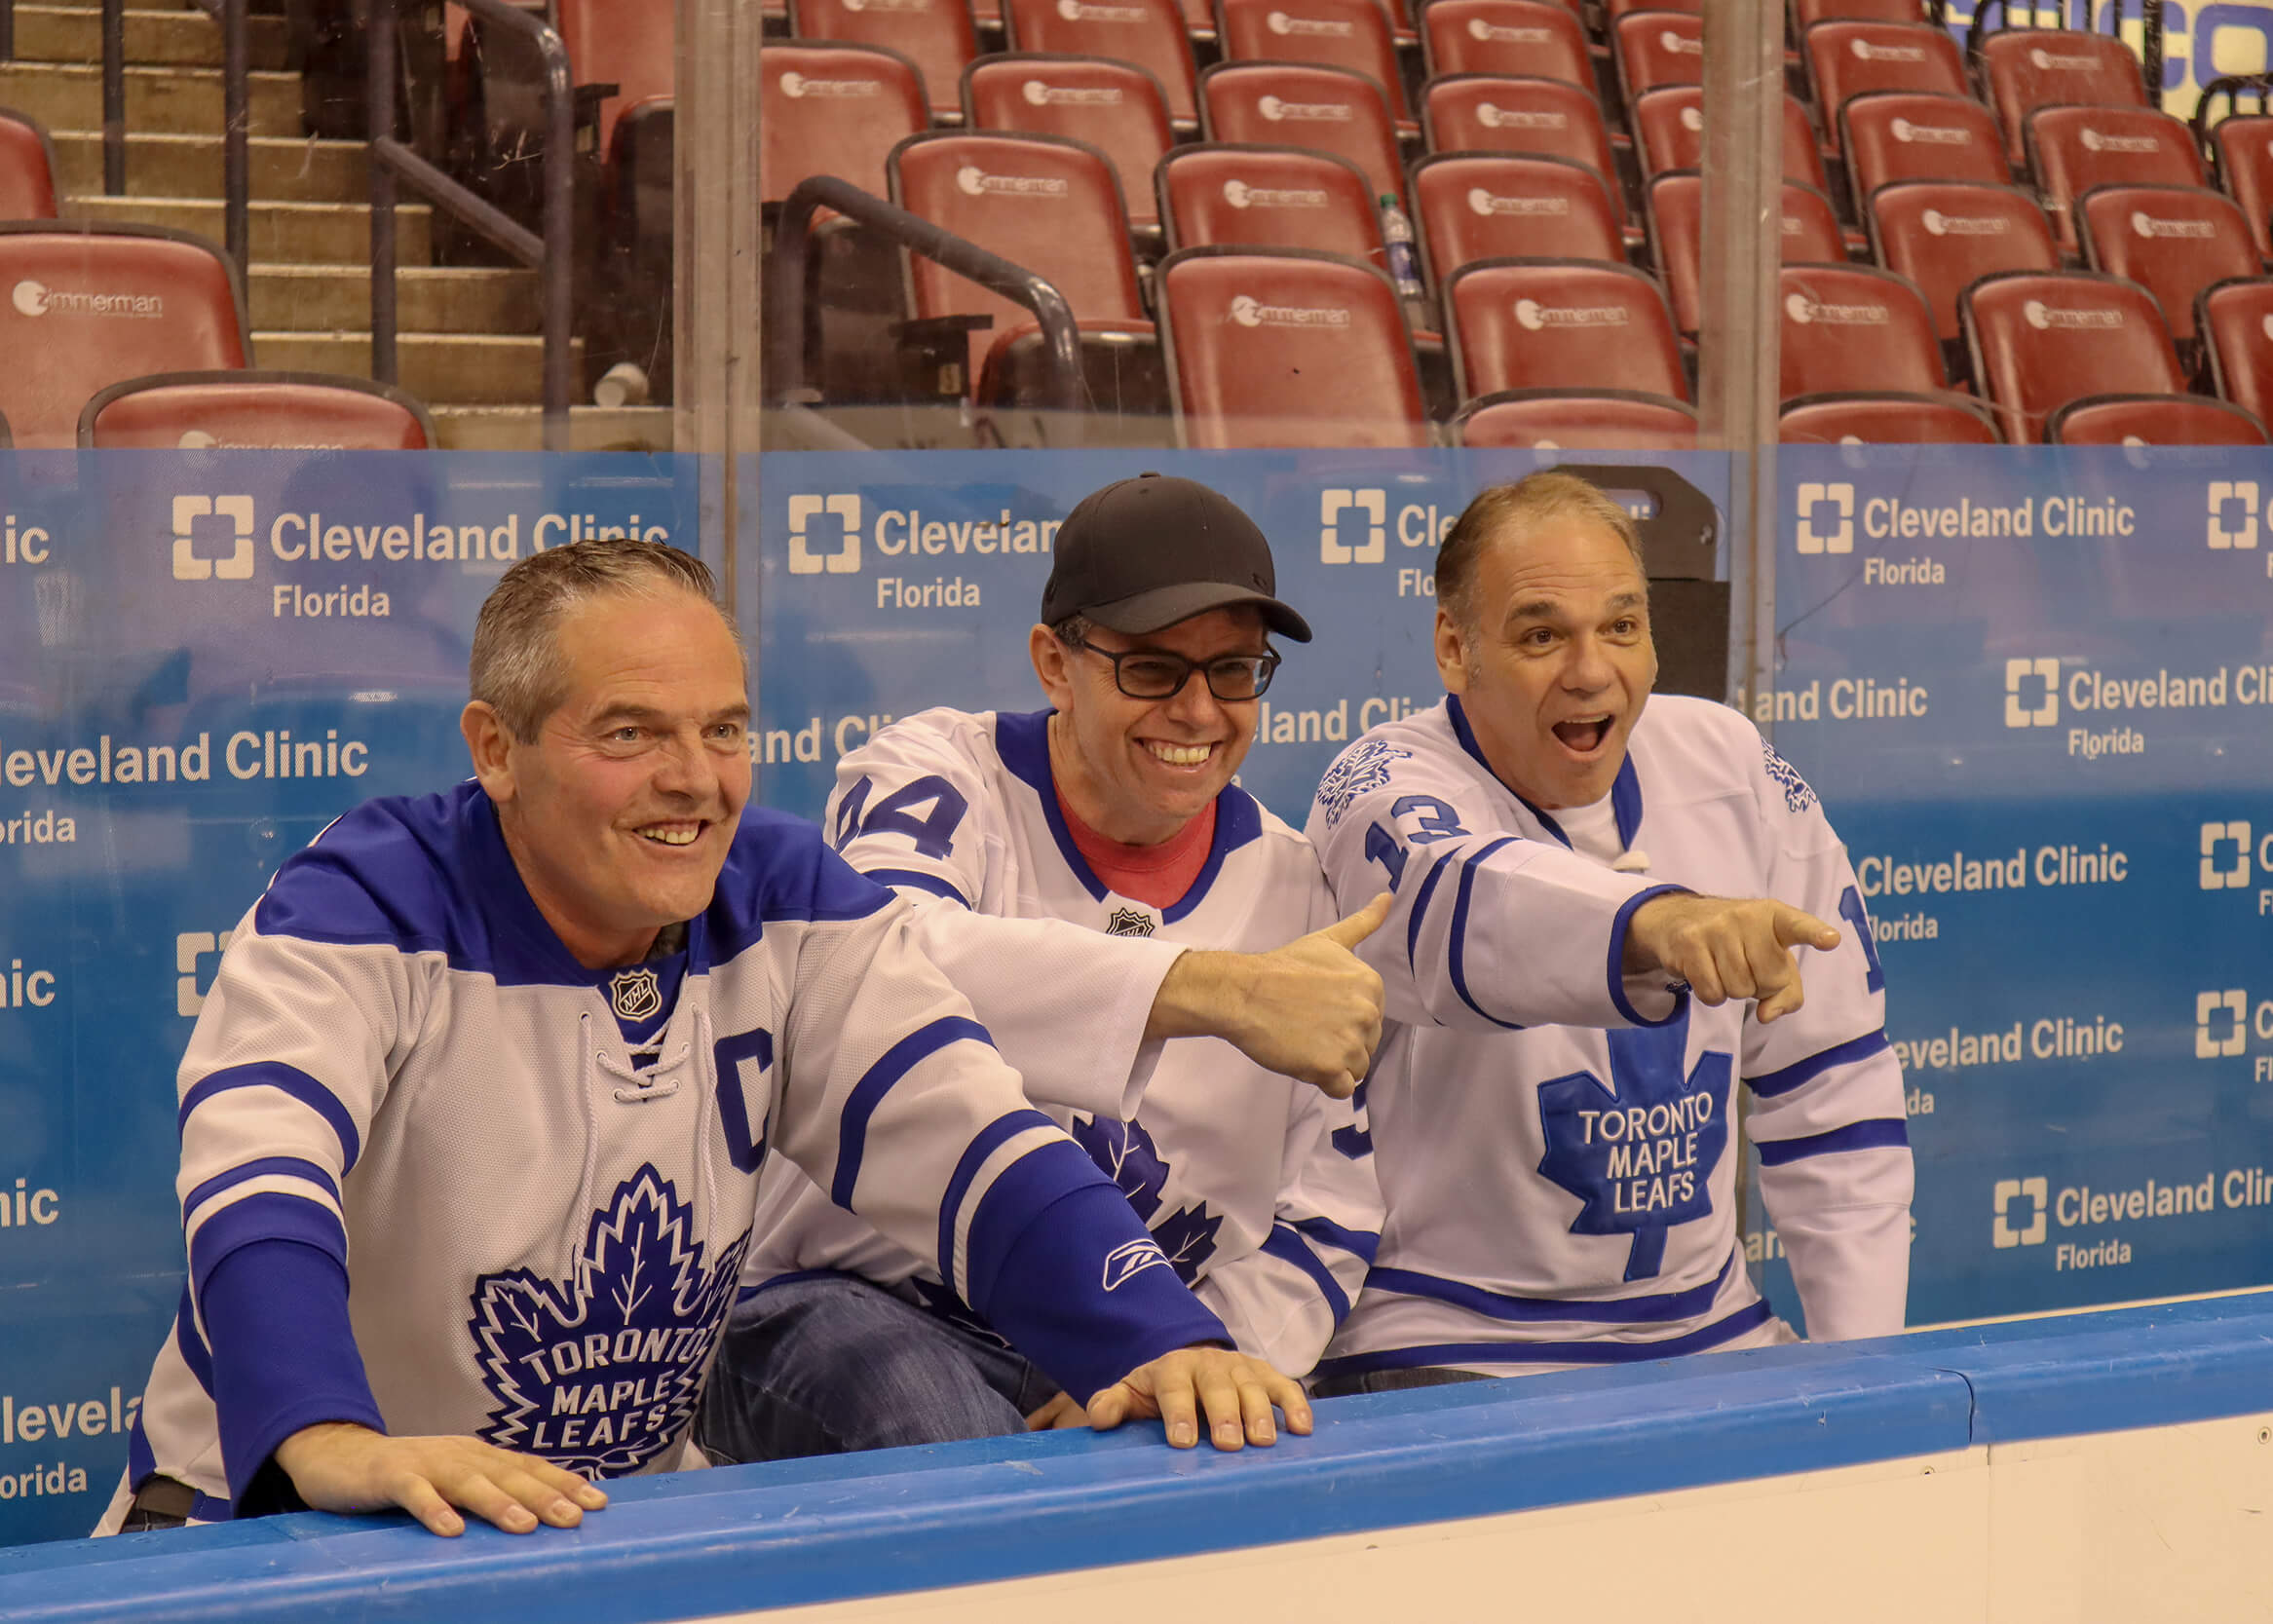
[2036, 688]
[203, 658]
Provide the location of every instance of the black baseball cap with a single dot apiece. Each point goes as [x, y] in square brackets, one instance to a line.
[1146, 553]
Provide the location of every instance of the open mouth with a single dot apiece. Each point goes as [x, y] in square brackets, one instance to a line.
[672, 834]
[1583, 733]
[1180, 755]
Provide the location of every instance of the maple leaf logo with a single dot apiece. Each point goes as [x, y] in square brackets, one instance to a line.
[1133, 1162]
[1359, 770]
[1639, 1152]
[599, 1373]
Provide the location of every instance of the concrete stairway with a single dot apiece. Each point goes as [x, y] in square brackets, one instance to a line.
[468, 342]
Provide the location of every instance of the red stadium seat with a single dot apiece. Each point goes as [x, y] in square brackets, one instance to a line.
[2039, 340]
[1807, 12]
[2172, 241]
[2024, 70]
[1550, 117]
[2153, 420]
[1355, 34]
[1852, 327]
[1576, 420]
[1881, 419]
[90, 307]
[1266, 197]
[2244, 149]
[1328, 109]
[1810, 232]
[833, 110]
[1946, 234]
[625, 43]
[1471, 206]
[1042, 202]
[1612, 10]
[1669, 133]
[2235, 319]
[27, 168]
[1891, 135]
[1657, 47]
[1117, 107]
[1848, 59]
[1150, 33]
[273, 410]
[936, 35]
[1549, 323]
[2073, 149]
[1533, 39]
[1287, 349]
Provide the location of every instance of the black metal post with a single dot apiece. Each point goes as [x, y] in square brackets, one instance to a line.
[6, 30]
[558, 268]
[114, 98]
[236, 132]
[2152, 15]
[380, 93]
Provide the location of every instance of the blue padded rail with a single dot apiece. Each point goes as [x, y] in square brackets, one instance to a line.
[903, 1520]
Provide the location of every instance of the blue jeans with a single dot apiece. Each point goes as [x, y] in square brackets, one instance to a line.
[830, 1364]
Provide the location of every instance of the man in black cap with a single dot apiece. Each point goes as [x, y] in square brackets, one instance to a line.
[1133, 930]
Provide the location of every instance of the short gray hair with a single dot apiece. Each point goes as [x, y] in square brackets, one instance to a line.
[517, 669]
[1503, 509]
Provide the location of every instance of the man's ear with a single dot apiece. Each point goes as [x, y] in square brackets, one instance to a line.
[490, 743]
[1052, 664]
[1451, 654]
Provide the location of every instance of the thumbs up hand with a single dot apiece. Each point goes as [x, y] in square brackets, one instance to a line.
[1310, 1010]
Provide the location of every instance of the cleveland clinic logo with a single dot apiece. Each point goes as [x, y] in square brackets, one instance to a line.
[188, 564]
[845, 509]
[2027, 706]
[188, 948]
[1371, 508]
[2233, 514]
[2222, 1023]
[2020, 1208]
[1826, 515]
[2217, 874]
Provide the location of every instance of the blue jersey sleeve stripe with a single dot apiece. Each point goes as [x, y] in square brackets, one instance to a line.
[1617, 959]
[1459, 932]
[299, 1167]
[271, 1215]
[916, 880]
[288, 1080]
[868, 1093]
[1747, 1318]
[1420, 901]
[1362, 1243]
[1286, 1246]
[1802, 1072]
[1662, 1308]
[1879, 1132]
[983, 1145]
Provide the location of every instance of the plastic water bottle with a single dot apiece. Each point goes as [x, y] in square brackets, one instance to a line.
[1404, 263]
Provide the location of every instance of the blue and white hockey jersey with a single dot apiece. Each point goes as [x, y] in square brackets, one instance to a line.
[404, 1092]
[1259, 1188]
[1559, 1195]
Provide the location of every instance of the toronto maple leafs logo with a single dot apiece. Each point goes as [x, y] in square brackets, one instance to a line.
[635, 995]
[1130, 921]
[1186, 1235]
[1640, 1150]
[599, 1373]
[1797, 795]
[1362, 768]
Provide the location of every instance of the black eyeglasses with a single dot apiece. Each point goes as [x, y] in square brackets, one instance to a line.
[1156, 674]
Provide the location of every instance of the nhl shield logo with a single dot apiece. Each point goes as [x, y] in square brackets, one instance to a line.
[1130, 921]
[635, 995]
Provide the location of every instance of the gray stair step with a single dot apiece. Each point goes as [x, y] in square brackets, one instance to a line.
[175, 100]
[299, 232]
[522, 427]
[52, 33]
[445, 299]
[454, 368]
[282, 169]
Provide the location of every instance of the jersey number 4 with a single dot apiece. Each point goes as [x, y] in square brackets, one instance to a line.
[895, 814]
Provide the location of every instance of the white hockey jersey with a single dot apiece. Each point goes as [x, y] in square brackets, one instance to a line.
[1559, 1195]
[1259, 1189]
[402, 1068]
